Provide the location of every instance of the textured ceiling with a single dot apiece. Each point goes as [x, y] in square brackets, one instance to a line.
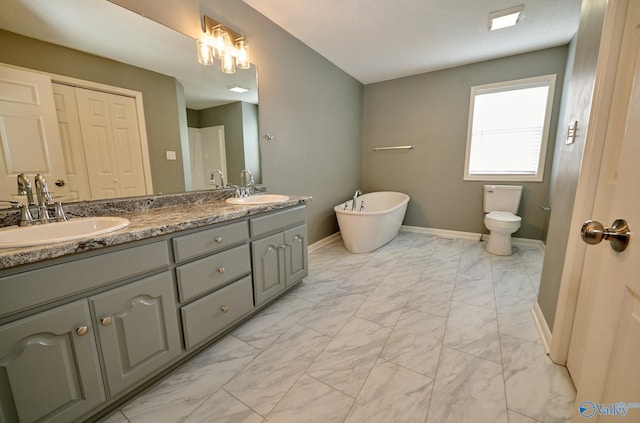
[376, 40]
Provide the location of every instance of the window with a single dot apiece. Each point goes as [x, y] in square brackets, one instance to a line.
[508, 130]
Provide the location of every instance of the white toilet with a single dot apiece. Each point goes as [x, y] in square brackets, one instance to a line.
[501, 204]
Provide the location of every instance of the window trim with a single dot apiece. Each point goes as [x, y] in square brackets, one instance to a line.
[506, 86]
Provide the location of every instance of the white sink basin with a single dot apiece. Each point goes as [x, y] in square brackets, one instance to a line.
[49, 233]
[258, 199]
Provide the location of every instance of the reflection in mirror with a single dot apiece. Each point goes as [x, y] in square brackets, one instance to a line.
[145, 57]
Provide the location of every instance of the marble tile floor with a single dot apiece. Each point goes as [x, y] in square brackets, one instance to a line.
[424, 329]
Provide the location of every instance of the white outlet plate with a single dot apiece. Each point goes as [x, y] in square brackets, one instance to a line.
[171, 155]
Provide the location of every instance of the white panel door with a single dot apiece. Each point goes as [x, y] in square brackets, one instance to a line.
[29, 137]
[610, 372]
[214, 151]
[128, 150]
[206, 153]
[112, 145]
[71, 138]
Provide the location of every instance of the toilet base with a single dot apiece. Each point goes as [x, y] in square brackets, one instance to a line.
[499, 244]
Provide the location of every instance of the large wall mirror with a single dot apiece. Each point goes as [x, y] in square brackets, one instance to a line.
[192, 121]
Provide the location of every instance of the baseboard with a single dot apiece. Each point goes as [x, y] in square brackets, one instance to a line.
[324, 242]
[445, 233]
[541, 326]
[529, 243]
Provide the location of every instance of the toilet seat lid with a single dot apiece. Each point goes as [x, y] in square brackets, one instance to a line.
[503, 216]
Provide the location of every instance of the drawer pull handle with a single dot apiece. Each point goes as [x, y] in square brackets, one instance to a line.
[219, 240]
[221, 270]
[82, 330]
[224, 309]
[106, 321]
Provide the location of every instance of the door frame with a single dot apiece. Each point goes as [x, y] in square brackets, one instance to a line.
[595, 142]
[109, 89]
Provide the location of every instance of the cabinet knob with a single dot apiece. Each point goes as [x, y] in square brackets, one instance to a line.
[106, 321]
[221, 270]
[219, 240]
[82, 330]
[224, 309]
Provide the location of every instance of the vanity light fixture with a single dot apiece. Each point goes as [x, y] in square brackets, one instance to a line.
[505, 18]
[220, 42]
[237, 88]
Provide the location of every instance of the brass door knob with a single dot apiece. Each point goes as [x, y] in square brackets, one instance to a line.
[221, 270]
[106, 321]
[224, 309]
[82, 330]
[219, 240]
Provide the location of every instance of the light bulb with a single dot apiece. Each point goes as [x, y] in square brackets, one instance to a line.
[242, 54]
[205, 55]
[228, 64]
[218, 43]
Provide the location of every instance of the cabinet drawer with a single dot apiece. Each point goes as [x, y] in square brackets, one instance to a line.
[30, 289]
[208, 241]
[205, 317]
[273, 222]
[212, 272]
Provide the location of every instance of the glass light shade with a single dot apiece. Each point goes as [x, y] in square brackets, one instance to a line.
[205, 55]
[242, 54]
[228, 64]
[219, 36]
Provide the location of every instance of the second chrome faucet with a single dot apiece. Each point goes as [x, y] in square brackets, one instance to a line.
[44, 201]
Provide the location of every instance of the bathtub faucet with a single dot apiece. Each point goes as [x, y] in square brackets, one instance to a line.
[355, 197]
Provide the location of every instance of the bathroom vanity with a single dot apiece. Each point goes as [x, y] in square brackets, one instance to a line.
[86, 325]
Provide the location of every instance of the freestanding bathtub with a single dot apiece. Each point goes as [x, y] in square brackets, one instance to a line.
[365, 231]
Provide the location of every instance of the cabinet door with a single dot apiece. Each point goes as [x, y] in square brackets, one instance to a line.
[268, 267]
[49, 369]
[137, 328]
[296, 261]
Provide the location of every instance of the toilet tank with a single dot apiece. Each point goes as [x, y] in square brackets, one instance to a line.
[502, 198]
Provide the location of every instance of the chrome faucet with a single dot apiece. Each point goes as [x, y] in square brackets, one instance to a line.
[244, 186]
[24, 188]
[44, 201]
[355, 197]
[212, 178]
[42, 190]
[44, 197]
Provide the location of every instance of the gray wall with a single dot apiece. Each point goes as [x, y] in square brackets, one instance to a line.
[229, 115]
[159, 92]
[251, 140]
[568, 158]
[313, 109]
[240, 120]
[431, 111]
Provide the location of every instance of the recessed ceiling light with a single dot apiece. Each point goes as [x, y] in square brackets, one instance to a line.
[237, 88]
[504, 18]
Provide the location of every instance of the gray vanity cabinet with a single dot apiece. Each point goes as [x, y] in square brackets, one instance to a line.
[80, 334]
[49, 367]
[280, 259]
[137, 329]
[268, 267]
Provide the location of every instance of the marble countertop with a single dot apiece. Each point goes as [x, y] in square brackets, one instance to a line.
[146, 224]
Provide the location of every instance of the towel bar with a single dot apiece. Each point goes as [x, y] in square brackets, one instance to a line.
[399, 147]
